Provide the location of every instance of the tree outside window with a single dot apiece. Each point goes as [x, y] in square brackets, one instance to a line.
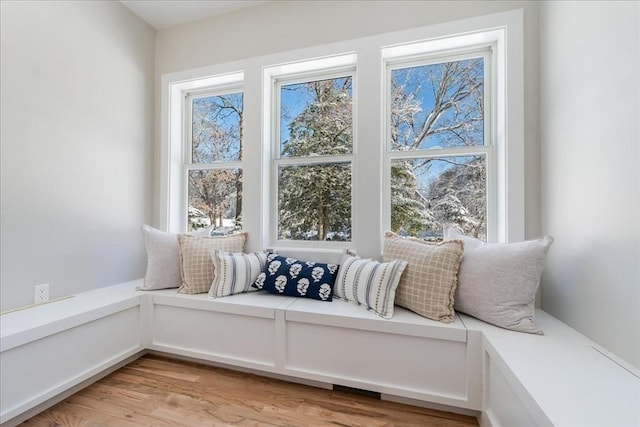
[435, 108]
[314, 186]
[215, 188]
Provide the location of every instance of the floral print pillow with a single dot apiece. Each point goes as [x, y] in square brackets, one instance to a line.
[292, 277]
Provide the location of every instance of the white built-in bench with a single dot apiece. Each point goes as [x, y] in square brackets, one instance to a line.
[49, 349]
[560, 378]
[331, 343]
[505, 378]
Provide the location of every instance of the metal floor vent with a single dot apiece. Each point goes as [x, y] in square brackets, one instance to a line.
[358, 391]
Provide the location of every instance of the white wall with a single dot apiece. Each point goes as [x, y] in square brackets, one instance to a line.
[76, 146]
[590, 138]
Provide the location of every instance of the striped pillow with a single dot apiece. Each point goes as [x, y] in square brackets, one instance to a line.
[233, 273]
[369, 283]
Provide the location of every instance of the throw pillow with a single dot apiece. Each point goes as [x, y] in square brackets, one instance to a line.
[234, 273]
[498, 282]
[163, 258]
[296, 278]
[428, 284]
[369, 283]
[195, 259]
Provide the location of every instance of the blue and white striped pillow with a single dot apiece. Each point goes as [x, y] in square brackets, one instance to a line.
[369, 283]
[235, 272]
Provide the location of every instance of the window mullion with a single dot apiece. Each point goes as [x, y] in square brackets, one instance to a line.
[313, 160]
[440, 152]
[213, 166]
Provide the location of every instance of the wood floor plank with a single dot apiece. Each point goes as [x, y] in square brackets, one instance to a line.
[174, 375]
[158, 391]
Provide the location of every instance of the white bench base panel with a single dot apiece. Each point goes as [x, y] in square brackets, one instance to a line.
[335, 343]
[503, 377]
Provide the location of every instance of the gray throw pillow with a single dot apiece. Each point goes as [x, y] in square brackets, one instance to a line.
[163, 258]
[497, 282]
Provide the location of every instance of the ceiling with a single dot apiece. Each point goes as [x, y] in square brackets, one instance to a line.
[168, 13]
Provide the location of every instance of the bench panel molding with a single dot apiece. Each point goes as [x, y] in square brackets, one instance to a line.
[334, 343]
[41, 369]
[501, 376]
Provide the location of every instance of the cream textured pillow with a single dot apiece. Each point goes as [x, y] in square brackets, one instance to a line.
[195, 259]
[369, 283]
[498, 282]
[428, 284]
[163, 258]
[234, 273]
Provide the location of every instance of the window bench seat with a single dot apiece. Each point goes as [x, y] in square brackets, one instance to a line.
[558, 379]
[506, 378]
[327, 342]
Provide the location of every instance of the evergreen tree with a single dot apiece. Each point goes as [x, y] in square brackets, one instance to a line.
[459, 197]
[315, 200]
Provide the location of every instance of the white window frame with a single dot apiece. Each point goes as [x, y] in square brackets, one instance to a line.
[417, 58]
[176, 153]
[317, 70]
[369, 55]
[188, 164]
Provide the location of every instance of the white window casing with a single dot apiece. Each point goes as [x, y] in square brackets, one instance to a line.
[369, 59]
[274, 78]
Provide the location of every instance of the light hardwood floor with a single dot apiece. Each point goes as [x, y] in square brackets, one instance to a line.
[158, 391]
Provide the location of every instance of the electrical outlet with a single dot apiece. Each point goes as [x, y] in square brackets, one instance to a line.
[41, 294]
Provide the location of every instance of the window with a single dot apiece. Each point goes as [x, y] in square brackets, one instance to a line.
[214, 175]
[326, 148]
[439, 143]
[313, 158]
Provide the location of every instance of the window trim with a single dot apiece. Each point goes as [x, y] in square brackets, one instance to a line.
[507, 28]
[277, 160]
[188, 165]
[174, 152]
[416, 58]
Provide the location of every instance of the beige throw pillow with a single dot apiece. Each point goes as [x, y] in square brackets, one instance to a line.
[428, 284]
[196, 265]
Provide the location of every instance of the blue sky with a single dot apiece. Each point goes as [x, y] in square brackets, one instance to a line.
[417, 81]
